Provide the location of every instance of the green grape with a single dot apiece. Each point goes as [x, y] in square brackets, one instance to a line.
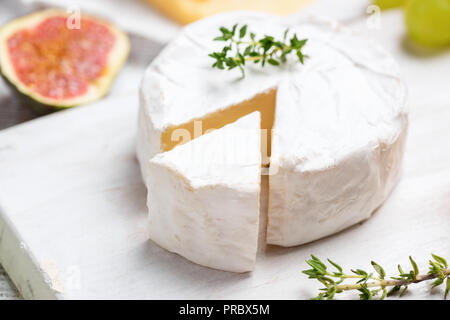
[388, 4]
[428, 21]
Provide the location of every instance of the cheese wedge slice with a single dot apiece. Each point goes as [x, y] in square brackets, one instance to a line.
[187, 11]
[203, 197]
[336, 125]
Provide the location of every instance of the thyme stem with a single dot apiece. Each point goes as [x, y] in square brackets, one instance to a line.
[333, 281]
[390, 283]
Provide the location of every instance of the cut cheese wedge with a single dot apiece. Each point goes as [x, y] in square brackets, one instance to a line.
[186, 11]
[336, 124]
[203, 197]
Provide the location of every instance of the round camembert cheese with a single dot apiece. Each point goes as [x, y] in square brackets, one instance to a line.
[336, 128]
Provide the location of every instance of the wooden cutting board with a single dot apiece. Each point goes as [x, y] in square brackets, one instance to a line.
[73, 212]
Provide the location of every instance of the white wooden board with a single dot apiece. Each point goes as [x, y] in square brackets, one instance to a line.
[73, 214]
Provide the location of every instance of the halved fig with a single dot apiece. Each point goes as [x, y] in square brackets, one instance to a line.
[57, 63]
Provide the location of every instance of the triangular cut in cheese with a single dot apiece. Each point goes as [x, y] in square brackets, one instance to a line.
[203, 197]
[263, 102]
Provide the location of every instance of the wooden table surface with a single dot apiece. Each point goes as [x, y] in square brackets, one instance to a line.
[135, 17]
[423, 93]
[11, 112]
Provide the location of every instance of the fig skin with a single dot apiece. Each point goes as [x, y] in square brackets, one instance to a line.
[25, 100]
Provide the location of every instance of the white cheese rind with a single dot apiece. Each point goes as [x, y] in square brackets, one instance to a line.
[180, 85]
[338, 144]
[203, 197]
[340, 118]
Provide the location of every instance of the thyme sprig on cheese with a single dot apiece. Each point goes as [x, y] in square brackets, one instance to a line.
[371, 285]
[242, 46]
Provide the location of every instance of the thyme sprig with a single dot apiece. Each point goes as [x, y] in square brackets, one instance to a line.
[242, 46]
[372, 284]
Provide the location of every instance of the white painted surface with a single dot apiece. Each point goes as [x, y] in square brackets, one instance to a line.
[84, 218]
[7, 289]
[71, 190]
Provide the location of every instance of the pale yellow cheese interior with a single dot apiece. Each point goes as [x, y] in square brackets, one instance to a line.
[187, 11]
[263, 102]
